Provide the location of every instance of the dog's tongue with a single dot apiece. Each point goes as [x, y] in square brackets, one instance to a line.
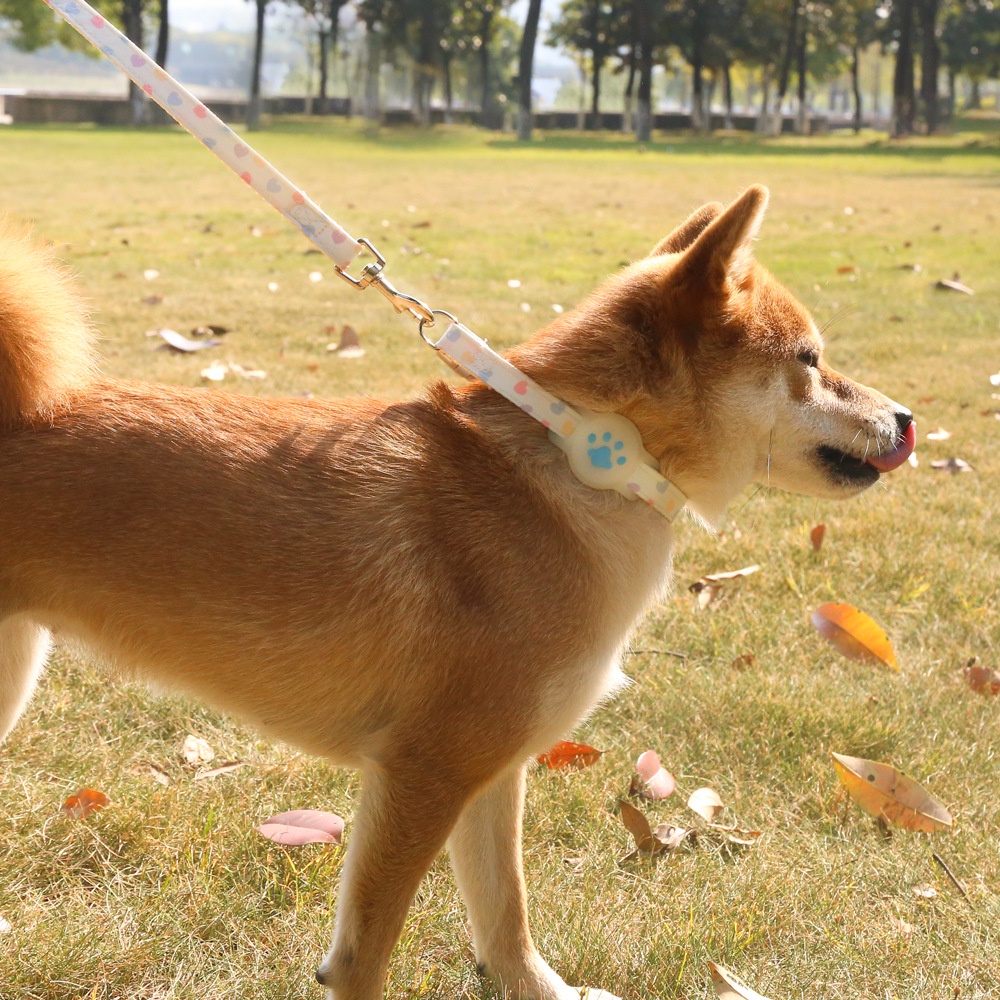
[890, 460]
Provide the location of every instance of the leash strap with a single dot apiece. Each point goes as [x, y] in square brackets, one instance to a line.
[211, 131]
[604, 450]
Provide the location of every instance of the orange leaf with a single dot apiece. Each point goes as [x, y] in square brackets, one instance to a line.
[566, 755]
[983, 680]
[816, 537]
[854, 634]
[890, 795]
[84, 802]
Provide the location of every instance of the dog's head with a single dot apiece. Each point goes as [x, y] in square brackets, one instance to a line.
[722, 370]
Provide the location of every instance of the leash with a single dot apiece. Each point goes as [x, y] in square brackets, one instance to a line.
[604, 450]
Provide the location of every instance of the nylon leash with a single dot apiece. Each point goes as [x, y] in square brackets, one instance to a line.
[604, 450]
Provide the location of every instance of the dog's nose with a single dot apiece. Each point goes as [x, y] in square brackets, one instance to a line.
[903, 418]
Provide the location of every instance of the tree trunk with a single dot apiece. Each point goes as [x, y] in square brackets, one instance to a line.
[802, 69]
[595, 92]
[163, 34]
[627, 123]
[254, 104]
[644, 33]
[930, 62]
[525, 69]
[489, 111]
[132, 23]
[785, 71]
[856, 86]
[764, 117]
[903, 99]
[373, 73]
[727, 96]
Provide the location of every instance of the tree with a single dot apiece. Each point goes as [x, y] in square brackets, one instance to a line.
[525, 70]
[645, 39]
[970, 39]
[588, 26]
[254, 102]
[930, 61]
[904, 105]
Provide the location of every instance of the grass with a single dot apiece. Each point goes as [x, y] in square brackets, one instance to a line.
[169, 894]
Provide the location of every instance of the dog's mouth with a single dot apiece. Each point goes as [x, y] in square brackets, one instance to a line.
[865, 470]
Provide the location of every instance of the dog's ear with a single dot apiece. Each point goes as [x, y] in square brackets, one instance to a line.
[687, 232]
[722, 255]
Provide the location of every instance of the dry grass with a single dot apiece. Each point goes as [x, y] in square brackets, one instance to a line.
[170, 894]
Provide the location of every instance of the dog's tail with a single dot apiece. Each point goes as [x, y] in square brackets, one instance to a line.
[47, 348]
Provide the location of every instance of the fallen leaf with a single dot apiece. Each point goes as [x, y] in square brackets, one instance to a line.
[152, 300]
[178, 342]
[728, 987]
[637, 824]
[923, 890]
[566, 756]
[215, 372]
[666, 837]
[952, 465]
[853, 634]
[658, 783]
[247, 373]
[982, 680]
[209, 330]
[847, 269]
[714, 586]
[954, 286]
[744, 661]
[159, 775]
[303, 826]
[84, 802]
[890, 795]
[816, 536]
[939, 435]
[350, 344]
[226, 768]
[514, 283]
[196, 750]
[315, 277]
[995, 379]
[706, 803]
[901, 926]
[5, 926]
[151, 274]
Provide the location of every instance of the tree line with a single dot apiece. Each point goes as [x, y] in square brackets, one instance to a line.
[772, 45]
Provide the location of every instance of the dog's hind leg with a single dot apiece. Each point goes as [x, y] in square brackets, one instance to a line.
[24, 647]
[407, 808]
[485, 849]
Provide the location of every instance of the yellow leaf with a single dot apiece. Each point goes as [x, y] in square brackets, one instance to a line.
[853, 634]
[728, 987]
[890, 795]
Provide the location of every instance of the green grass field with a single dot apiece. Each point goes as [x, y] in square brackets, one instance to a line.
[169, 894]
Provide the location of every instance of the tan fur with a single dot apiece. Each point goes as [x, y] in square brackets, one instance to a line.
[418, 589]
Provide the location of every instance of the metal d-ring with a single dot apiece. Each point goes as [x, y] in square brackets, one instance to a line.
[430, 322]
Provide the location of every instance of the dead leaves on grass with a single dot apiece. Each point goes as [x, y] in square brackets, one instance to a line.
[728, 987]
[84, 802]
[854, 634]
[890, 796]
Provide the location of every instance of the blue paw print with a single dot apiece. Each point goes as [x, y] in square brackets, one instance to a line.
[603, 456]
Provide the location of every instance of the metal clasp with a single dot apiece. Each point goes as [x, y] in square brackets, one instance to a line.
[371, 274]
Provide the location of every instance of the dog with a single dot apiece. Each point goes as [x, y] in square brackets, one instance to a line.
[422, 590]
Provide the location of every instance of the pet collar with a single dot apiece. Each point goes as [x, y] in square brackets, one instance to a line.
[605, 450]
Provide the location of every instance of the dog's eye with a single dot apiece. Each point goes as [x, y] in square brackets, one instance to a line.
[810, 358]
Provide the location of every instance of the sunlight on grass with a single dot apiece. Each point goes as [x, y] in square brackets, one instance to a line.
[170, 894]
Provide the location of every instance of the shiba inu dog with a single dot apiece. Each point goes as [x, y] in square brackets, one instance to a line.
[375, 581]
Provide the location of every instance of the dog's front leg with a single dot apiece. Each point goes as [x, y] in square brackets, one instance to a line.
[485, 849]
[401, 825]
